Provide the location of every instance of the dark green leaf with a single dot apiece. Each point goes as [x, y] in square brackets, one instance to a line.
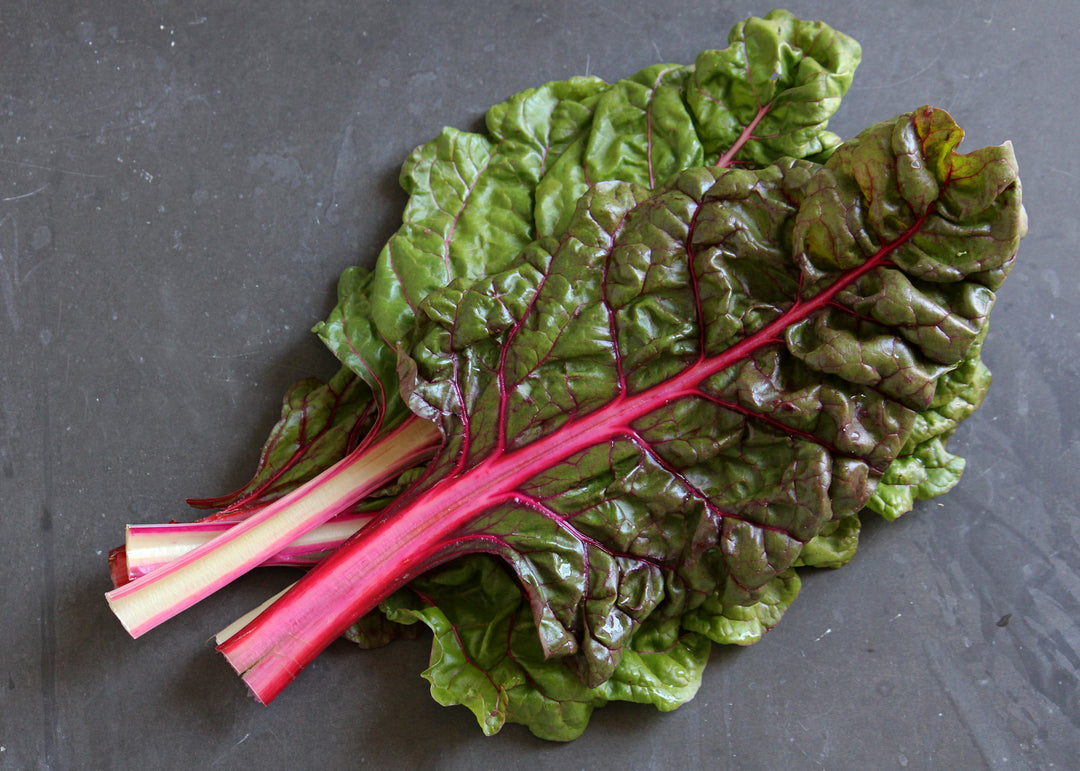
[740, 357]
[476, 201]
[926, 469]
[487, 657]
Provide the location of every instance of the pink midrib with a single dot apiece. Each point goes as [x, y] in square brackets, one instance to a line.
[728, 158]
[724, 161]
[500, 475]
[422, 532]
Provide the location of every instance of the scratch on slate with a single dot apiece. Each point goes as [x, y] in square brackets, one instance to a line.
[41, 167]
[25, 195]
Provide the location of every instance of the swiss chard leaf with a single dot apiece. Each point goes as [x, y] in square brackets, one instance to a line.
[699, 382]
[486, 655]
[677, 337]
[476, 201]
[769, 94]
[652, 416]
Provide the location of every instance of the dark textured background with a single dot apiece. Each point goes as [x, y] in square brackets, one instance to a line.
[180, 185]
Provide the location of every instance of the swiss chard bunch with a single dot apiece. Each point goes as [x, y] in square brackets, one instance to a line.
[631, 361]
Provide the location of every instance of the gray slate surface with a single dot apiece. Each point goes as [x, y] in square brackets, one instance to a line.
[180, 185]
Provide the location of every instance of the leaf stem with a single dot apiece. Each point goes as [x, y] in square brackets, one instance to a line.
[158, 596]
[150, 547]
[429, 524]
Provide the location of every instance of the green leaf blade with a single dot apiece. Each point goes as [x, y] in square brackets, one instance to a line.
[771, 93]
[729, 473]
[486, 656]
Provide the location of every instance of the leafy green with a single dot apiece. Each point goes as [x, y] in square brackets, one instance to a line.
[476, 200]
[654, 416]
[486, 655]
[876, 271]
[597, 244]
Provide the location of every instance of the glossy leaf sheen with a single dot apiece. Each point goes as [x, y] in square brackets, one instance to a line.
[477, 200]
[737, 450]
[487, 656]
[651, 416]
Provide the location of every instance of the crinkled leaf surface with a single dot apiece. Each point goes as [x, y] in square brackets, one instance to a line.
[744, 624]
[671, 399]
[486, 655]
[769, 94]
[926, 468]
[776, 86]
[469, 212]
[477, 200]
